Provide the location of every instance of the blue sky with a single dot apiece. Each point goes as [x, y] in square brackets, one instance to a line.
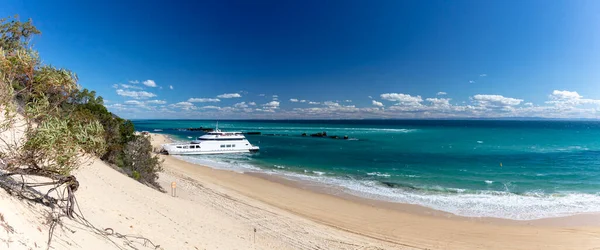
[327, 59]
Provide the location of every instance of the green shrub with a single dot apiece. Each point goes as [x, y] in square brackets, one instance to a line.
[136, 175]
[138, 158]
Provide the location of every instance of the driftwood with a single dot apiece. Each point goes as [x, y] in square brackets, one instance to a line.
[63, 205]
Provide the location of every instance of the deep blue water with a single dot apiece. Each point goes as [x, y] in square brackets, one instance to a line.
[506, 169]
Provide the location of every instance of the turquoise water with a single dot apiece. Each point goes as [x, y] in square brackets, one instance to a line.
[504, 169]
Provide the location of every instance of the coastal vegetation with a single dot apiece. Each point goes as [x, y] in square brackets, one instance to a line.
[33, 97]
[61, 120]
[50, 126]
[130, 152]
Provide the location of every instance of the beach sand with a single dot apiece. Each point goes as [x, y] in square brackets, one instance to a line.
[218, 209]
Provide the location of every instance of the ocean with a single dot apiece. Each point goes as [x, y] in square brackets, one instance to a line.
[518, 170]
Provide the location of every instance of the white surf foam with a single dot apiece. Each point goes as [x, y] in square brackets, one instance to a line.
[495, 204]
[379, 174]
[218, 163]
[318, 172]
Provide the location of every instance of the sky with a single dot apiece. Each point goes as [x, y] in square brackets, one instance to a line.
[341, 59]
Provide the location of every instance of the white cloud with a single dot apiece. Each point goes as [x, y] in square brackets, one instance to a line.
[376, 103]
[402, 99]
[150, 83]
[156, 102]
[241, 105]
[439, 102]
[132, 102]
[302, 100]
[203, 100]
[210, 107]
[126, 86]
[348, 100]
[269, 107]
[496, 100]
[471, 81]
[135, 94]
[272, 104]
[331, 108]
[565, 95]
[134, 82]
[483, 75]
[370, 97]
[560, 104]
[116, 86]
[275, 96]
[184, 106]
[293, 100]
[265, 110]
[171, 87]
[230, 95]
[565, 99]
[331, 104]
[441, 93]
[261, 95]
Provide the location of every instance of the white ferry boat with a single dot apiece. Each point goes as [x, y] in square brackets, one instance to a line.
[216, 142]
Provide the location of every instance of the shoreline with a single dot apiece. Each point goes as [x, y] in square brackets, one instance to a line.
[403, 224]
[581, 219]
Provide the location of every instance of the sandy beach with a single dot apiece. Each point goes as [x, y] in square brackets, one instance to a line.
[390, 225]
[218, 209]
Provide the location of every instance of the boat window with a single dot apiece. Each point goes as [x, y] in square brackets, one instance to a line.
[220, 139]
[185, 146]
[178, 146]
[228, 145]
[223, 146]
[233, 145]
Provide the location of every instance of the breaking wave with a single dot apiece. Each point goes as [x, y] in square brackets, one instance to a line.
[462, 202]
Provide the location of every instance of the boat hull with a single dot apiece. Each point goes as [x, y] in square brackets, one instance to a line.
[184, 149]
[174, 152]
[212, 143]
